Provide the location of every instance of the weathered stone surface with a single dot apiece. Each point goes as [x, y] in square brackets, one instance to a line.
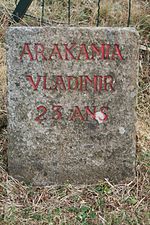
[71, 146]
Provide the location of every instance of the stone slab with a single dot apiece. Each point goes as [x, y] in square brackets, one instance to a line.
[71, 104]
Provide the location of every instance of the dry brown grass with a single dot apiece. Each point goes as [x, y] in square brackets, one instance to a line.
[2, 88]
[103, 203]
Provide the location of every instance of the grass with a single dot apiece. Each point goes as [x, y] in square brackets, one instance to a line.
[104, 203]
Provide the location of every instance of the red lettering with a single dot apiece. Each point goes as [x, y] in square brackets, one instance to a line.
[80, 83]
[39, 51]
[107, 51]
[45, 84]
[76, 114]
[91, 81]
[60, 83]
[70, 87]
[56, 51]
[98, 51]
[104, 111]
[68, 51]
[56, 109]
[88, 112]
[33, 84]
[26, 51]
[108, 80]
[87, 79]
[118, 52]
[44, 110]
[83, 51]
[100, 83]
[95, 83]
[102, 51]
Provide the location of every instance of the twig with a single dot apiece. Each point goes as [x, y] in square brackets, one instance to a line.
[98, 14]
[129, 13]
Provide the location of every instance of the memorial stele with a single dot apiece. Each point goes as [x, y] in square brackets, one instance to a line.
[71, 104]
